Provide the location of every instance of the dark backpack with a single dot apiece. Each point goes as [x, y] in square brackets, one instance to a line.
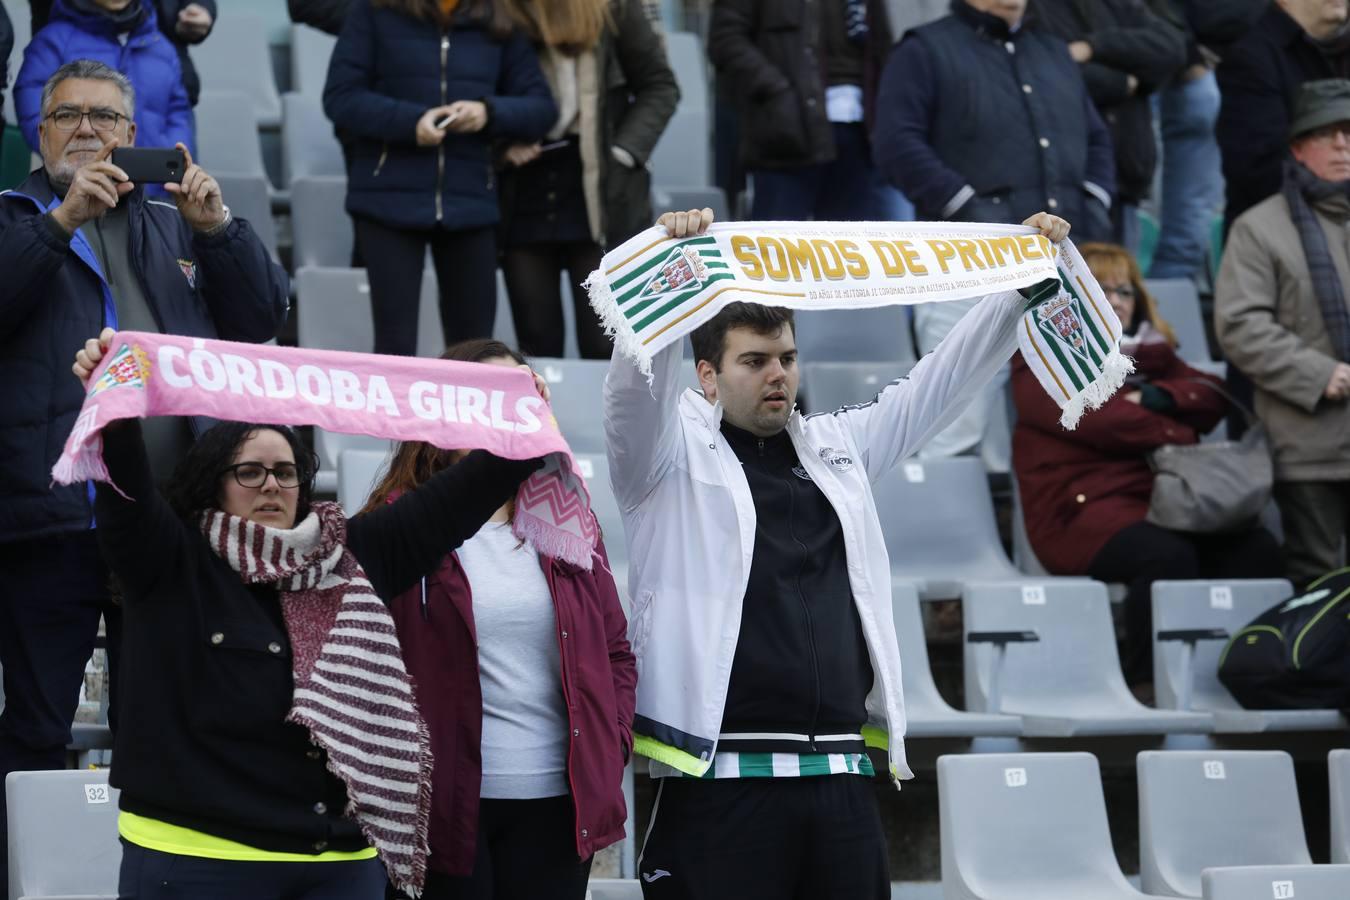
[1295, 655]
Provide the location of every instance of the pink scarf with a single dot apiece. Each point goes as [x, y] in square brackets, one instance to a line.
[453, 405]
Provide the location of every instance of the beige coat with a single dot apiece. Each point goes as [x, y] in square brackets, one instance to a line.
[1270, 326]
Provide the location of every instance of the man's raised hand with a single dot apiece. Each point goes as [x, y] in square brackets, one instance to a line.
[95, 189]
[686, 224]
[198, 196]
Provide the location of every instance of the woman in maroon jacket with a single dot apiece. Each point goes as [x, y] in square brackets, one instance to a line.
[1085, 493]
[527, 683]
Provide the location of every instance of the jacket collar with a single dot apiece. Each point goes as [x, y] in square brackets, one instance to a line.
[984, 23]
[709, 415]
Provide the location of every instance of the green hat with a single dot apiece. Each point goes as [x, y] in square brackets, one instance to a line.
[1320, 103]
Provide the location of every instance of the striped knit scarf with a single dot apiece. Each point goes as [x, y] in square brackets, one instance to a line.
[352, 690]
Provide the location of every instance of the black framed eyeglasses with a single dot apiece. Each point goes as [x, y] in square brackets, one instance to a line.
[254, 475]
[102, 119]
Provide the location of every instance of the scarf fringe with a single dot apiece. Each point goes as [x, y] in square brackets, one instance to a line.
[615, 324]
[1115, 368]
[550, 540]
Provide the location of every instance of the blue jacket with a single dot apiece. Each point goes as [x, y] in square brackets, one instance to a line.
[149, 59]
[386, 71]
[53, 297]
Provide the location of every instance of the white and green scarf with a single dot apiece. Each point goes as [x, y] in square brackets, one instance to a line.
[652, 290]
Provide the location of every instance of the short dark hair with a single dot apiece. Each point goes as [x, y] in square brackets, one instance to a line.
[710, 338]
[195, 485]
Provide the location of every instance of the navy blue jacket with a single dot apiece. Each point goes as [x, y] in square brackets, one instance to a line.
[386, 71]
[53, 298]
[993, 127]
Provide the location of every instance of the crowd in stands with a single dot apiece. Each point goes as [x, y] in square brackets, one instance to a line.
[517, 135]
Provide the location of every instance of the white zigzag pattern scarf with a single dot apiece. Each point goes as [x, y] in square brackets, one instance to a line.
[652, 290]
[352, 690]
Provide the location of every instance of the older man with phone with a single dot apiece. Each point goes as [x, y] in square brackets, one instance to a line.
[82, 248]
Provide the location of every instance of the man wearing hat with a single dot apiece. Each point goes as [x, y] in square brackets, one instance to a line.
[1281, 316]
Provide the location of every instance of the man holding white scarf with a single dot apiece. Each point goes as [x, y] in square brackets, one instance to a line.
[761, 616]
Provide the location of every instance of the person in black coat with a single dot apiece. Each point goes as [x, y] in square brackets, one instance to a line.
[424, 95]
[1295, 41]
[803, 75]
[6, 47]
[1125, 53]
[82, 248]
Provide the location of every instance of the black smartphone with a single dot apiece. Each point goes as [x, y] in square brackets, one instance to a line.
[150, 165]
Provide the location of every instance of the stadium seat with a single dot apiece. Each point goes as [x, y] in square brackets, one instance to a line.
[249, 197]
[1026, 826]
[1204, 808]
[1280, 882]
[614, 889]
[334, 311]
[927, 715]
[938, 519]
[227, 135]
[310, 50]
[1179, 304]
[682, 157]
[1024, 556]
[827, 386]
[321, 228]
[62, 835]
[237, 58]
[1047, 652]
[576, 386]
[1186, 659]
[358, 471]
[307, 141]
[666, 197]
[1338, 765]
[855, 335]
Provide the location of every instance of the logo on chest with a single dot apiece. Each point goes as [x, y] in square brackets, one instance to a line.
[189, 270]
[835, 459]
[801, 473]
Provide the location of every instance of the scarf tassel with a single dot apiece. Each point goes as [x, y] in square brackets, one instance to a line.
[1115, 368]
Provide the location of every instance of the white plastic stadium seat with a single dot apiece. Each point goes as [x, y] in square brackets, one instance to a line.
[682, 156]
[926, 713]
[310, 52]
[614, 889]
[1186, 658]
[1026, 826]
[830, 385]
[63, 842]
[1047, 652]
[576, 386]
[322, 230]
[227, 134]
[1279, 882]
[307, 141]
[1205, 808]
[249, 197]
[358, 471]
[1179, 304]
[1338, 763]
[237, 58]
[854, 335]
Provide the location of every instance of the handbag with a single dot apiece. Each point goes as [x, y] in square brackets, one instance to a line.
[1212, 487]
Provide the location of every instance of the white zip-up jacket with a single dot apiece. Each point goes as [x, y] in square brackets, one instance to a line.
[690, 524]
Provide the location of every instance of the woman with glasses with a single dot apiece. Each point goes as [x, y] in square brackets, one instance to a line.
[1085, 493]
[270, 744]
[124, 36]
[534, 723]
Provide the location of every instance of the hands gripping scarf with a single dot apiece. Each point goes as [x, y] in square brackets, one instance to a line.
[352, 691]
[453, 405]
[652, 290]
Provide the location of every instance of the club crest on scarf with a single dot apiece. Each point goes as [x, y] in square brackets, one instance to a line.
[1059, 320]
[682, 270]
[189, 270]
[130, 367]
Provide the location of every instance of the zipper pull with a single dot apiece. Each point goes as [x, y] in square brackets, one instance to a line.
[760, 442]
[425, 617]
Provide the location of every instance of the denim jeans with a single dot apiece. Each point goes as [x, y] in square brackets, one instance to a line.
[1192, 177]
